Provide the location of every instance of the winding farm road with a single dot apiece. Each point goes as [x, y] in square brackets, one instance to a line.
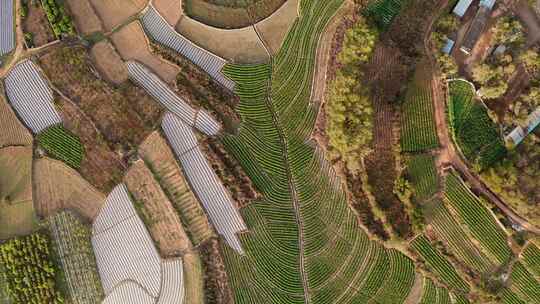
[448, 154]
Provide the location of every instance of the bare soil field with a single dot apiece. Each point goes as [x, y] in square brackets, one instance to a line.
[200, 90]
[157, 211]
[58, 187]
[114, 13]
[230, 14]
[239, 45]
[193, 278]
[132, 44]
[125, 115]
[101, 166]
[37, 24]
[230, 172]
[86, 20]
[160, 159]
[109, 62]
[15, 174]
[216, 284]
[274, 29]
[171, 10]
[17, 219]
[13, 132]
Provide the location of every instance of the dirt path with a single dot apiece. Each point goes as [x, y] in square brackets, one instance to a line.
[448, 155]
[528, 17]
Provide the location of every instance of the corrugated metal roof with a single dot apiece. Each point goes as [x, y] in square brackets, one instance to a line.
[461, 7]
[447, 48]
[487, 3]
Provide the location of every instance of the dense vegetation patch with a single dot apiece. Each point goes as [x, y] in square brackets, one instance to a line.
[349, 110]
[422, 174]
[58, 17]
[474, 131]
[62, 144]
[26, 266]
[382, 12]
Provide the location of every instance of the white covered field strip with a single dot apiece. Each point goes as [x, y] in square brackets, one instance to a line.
[159, 90]
[7, 30]
[129, 265]
[206, 185]
[31, 97]
[158, 28]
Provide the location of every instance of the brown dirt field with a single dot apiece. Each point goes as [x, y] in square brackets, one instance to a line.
[125, 116]
[216, 284]
[171, 10]
[132, 44]
[13, 133]
[116, 12]
[86, 20]
[229, 17]
[58, 187]
[274, 29]
[157, 211]
[109, 62]
[16, 174]
[101, 166]
[160, 159]
[227, 45]
[36, 23]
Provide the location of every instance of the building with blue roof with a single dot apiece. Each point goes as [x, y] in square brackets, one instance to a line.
[461, 7]
[447, 48]
[487, 4]
[519, 133]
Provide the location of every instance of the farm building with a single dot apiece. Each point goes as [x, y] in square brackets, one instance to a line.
[476, 29]
[130, 268]
[447, 48]
[519, 133]
[461, 8]
[7, 30]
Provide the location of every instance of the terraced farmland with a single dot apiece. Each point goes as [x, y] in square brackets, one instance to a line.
[422, 174]
[531, 259]
[524, 284]
[439, 264]
[304, 243]
[433, 294]
[482, 224]
[473, 130]
[418, 129]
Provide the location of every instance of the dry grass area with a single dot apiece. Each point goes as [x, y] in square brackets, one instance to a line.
[36, 23]
[57, 187]
[157, 211]
[132, 44]
[274, 29]
[231, 14]
[225, 43]
[13, 132]
[101, 166]
[17, 219]
[193, 278]
[109, 63]
[171, 10]
[125, 116]
[160, 159]
[15, 174]
[114, 13]
[86, 20]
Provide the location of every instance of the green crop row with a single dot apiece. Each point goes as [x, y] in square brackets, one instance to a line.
[422, 174]
[474, 131]
[531, 259]
[439, 264]
[382, 12]
[482, 224]
[62, 144]
[418, 128]
[524, 284]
